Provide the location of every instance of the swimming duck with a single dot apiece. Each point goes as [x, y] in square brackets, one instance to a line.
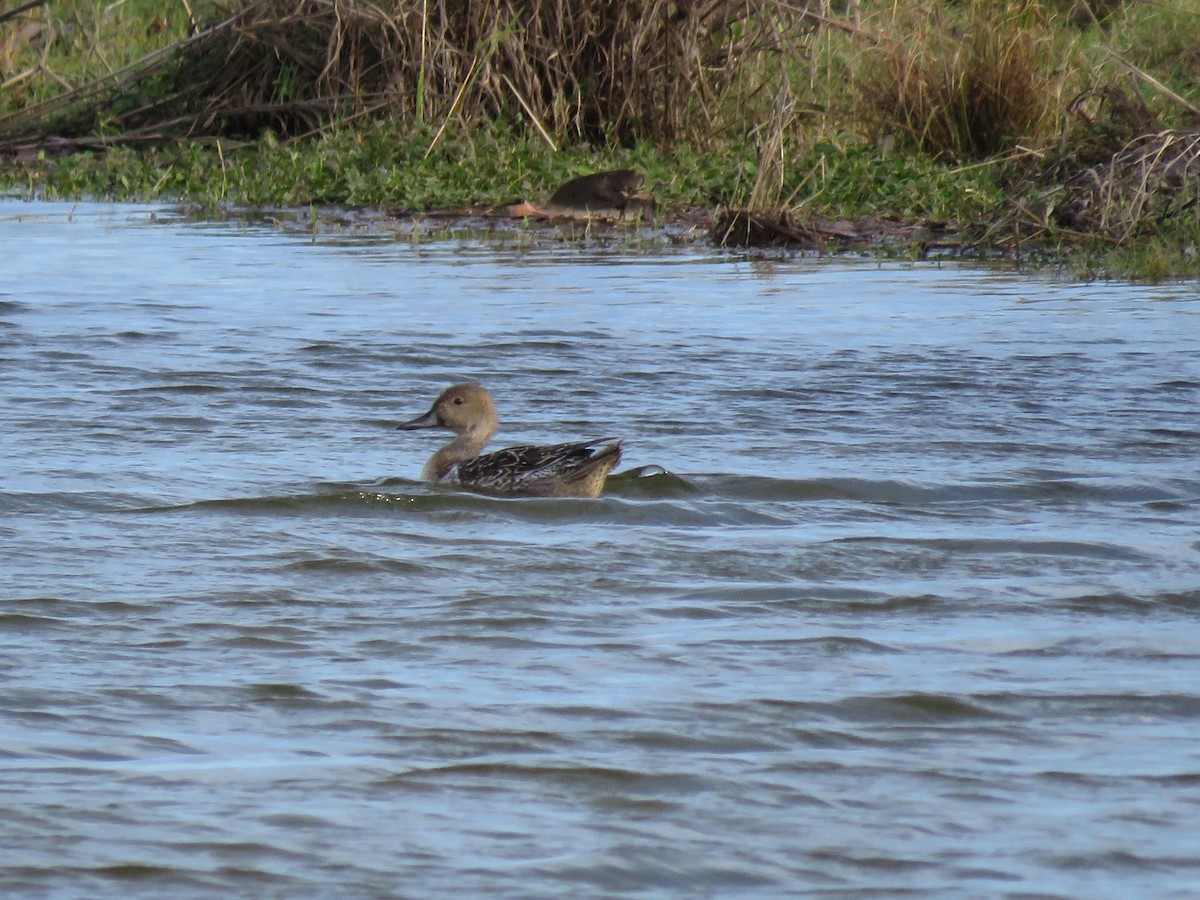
[560, 470]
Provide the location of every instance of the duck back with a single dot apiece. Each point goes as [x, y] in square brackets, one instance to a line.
[559, 470]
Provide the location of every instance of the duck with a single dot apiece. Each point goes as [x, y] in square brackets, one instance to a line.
[577, 469]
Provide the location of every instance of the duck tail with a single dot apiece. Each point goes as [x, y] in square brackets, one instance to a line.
[589, 478]
[611, 452]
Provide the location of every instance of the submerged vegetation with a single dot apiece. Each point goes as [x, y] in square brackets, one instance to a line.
[1067, 126]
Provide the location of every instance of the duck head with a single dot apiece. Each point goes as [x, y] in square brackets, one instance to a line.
[465, 409]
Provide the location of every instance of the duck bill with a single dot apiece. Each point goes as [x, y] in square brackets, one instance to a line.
[429, 420]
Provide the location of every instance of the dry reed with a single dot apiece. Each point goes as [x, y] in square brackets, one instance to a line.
[1153, 178]
[591, 70]
[965, 90]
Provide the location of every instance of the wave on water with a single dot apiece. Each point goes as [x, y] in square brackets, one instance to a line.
[655, 497]
[1121, 602]
[41, 502]
[192, 387]
[975, 546]
[916, 708]
[943, 708]
[667, 504]
[890, 491]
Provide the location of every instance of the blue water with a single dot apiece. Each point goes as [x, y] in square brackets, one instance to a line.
[913, 609]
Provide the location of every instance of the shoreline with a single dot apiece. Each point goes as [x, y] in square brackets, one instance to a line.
[902, 129]
[869, 238]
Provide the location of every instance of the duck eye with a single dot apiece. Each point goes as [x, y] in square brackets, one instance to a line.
[458, 401]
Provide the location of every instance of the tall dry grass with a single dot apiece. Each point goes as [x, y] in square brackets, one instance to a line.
[1153, 179]
[963, 86]
[590, 70]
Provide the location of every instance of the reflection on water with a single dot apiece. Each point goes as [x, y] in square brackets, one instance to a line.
[911, 606]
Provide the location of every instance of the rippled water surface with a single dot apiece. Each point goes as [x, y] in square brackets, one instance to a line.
[916, 608]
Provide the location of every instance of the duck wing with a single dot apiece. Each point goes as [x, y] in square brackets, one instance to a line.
[568, 470]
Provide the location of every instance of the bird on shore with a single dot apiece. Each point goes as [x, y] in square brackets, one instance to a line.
[611, 195]
[576, 469]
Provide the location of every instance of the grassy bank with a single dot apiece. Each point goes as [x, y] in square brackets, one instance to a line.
[1058, 126]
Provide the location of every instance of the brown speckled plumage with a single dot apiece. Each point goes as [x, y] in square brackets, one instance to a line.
[561, 470]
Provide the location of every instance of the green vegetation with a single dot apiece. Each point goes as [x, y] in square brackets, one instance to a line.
[1064, 127]
[380, 164]
[376, 164]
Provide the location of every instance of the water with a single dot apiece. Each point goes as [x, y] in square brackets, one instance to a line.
[917, 609]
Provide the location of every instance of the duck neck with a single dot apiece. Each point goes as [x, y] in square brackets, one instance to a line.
[464, 447]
